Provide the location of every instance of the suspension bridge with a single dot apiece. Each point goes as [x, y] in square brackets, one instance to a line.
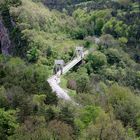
[60, 69]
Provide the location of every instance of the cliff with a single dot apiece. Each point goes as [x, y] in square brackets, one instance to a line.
[5, 43]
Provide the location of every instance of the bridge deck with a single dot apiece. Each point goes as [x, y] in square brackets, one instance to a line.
[72, 64]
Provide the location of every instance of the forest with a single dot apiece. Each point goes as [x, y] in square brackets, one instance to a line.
[105, 87]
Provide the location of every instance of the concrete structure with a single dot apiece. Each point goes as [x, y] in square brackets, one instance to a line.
[79, 51]
[58, 66]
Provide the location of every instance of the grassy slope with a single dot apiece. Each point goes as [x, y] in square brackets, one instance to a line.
[43, 28]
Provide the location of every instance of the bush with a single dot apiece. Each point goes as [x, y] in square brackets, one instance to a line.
[113, 56]
[96, 60]
[71, 84]
[126, 105]
[32, 55]
[51, 99]
[8, 123]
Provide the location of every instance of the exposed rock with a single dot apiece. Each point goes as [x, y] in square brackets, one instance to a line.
[5, 43]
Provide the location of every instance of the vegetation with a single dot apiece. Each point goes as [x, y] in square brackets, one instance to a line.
[105, 87]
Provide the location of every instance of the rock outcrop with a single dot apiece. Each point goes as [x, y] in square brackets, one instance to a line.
[5, 43]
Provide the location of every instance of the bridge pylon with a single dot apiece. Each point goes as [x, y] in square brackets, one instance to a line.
[79, 51]
[58, 66]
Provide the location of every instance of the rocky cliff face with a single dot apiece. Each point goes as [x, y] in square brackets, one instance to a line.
[5, 43]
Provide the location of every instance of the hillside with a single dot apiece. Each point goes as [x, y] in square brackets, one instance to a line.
[104, 88]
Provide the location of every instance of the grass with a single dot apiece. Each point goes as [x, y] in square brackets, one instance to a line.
[67, 44]
[72, 93]
[63, 84]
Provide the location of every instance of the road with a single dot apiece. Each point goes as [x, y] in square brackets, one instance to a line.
[54, 83]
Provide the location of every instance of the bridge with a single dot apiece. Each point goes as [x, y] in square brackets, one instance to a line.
[55, 79]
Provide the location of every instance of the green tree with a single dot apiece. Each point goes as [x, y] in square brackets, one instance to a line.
[89, 114]
[32, 54]
[8, 123]
[61, 130]
[50, 115]
[105, 128]
[3, 98]
[126, 105]
[51, 99]
[66, 116]
[113, 56]
[33, 128]
[82, 83]
[107, 40]
[96, 60]
[116, 28]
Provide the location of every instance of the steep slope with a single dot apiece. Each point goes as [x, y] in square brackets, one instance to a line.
[5, 43]
[43, 29]
[106, 85]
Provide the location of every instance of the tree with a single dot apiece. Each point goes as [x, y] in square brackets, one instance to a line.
[114, 74]
[96, 60]
[3, 98]
[32, 128]
[51, 99]
[49, 51]
[60, 130]
[32, 54]
[105, 128]
[82, 83]
[66, 116]
[19, 100]
[126, 105]
[98, 26]
[50, 115]
[138, 77]
[113, 56]
[89, 114]
[116, 28]
[82, 80]
[107, 41]
[7, 3]
[8, 123]
[78, 33]
[124, 3]
[123, 41]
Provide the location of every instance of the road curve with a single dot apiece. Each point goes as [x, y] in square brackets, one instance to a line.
[54, 83]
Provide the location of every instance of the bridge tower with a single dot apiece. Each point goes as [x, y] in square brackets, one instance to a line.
[80, 51]
[58, 66]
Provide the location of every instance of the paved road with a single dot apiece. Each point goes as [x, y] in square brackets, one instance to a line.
[55, 79]
[54, 83]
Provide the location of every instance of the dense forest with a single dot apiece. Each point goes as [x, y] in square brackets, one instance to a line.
[105, 87]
